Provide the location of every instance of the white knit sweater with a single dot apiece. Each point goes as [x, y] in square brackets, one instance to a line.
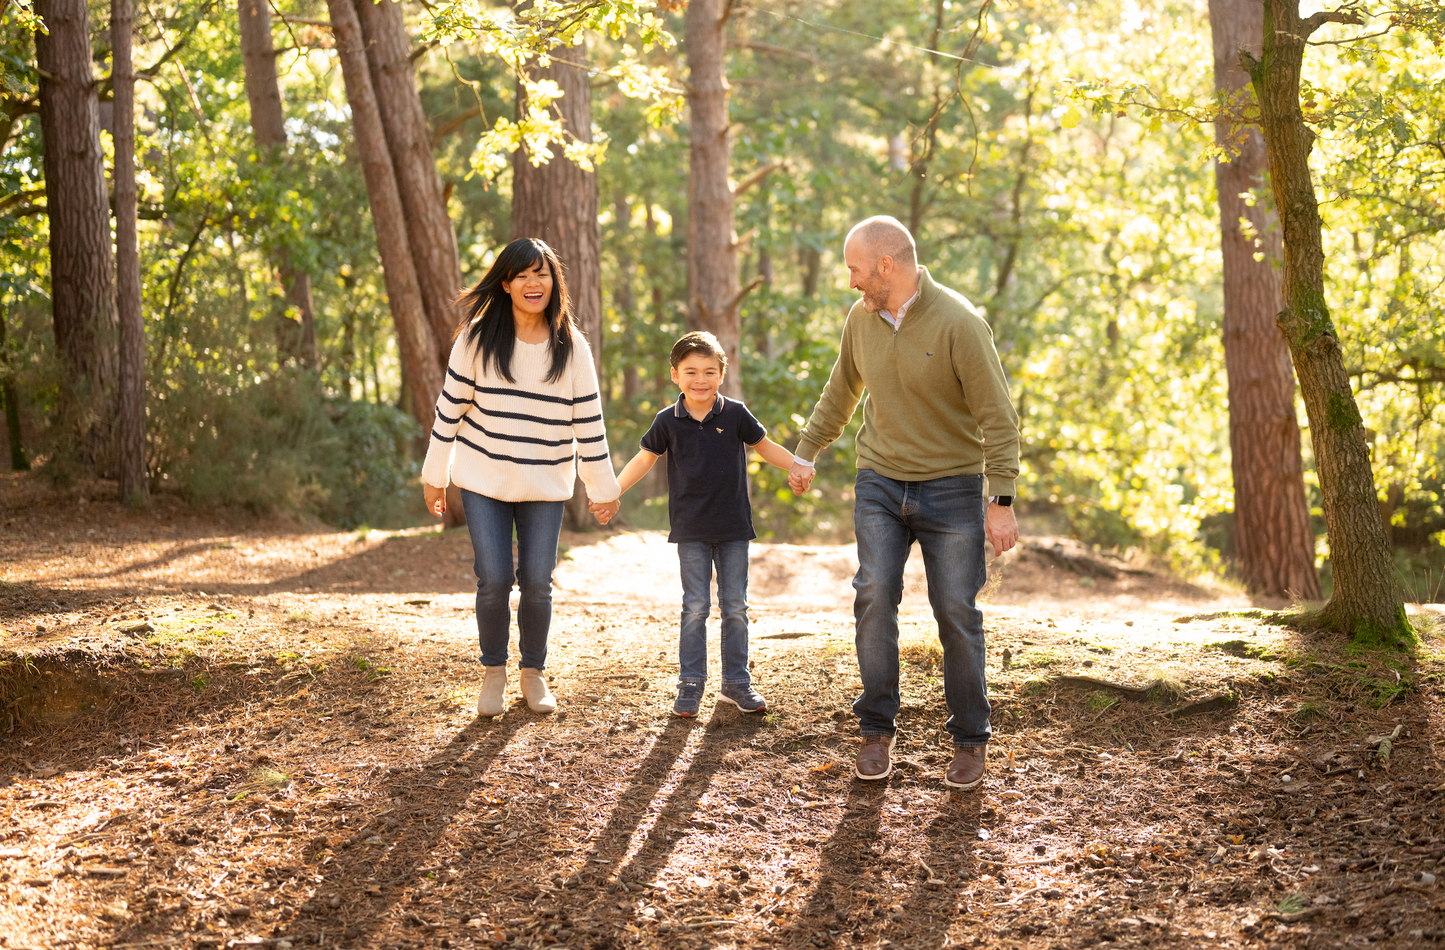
[520, 441]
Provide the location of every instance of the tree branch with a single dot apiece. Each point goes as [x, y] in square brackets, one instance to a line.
[454, 123]
[756, 176]
[1319, 19]
[20, 196]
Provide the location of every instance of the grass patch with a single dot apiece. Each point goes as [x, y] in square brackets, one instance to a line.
[1038, 659]
[373, 670]
[1248, 651]
[1099, 701]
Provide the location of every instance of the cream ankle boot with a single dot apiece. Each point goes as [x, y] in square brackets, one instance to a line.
[490, 701]
[535, 691]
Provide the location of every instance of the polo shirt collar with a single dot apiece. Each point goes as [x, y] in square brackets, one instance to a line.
[680, 408]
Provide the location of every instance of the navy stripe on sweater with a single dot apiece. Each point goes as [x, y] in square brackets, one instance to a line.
[508, 458]
[556, 400]
[554, 443]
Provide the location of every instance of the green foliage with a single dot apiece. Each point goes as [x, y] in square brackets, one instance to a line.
[1056, 176]
[277, 445]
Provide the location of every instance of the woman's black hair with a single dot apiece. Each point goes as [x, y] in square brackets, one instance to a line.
[495, 333]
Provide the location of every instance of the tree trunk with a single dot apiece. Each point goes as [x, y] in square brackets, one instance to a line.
[1366, 602]
[18, 461]
[415, 340]
[82, 273]
[712, 260]
[130, 418]
[428, 228]
[557, 202]
[268, 125]
[1274, 541]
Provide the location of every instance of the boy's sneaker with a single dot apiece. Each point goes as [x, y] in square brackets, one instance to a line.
[744, 697]
[689, 698]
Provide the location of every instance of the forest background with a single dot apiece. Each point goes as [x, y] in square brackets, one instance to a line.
[1085, 225]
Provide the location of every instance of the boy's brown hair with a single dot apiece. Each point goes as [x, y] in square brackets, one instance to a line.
[698, 341]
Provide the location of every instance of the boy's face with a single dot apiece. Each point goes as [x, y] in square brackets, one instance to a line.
[698, 376]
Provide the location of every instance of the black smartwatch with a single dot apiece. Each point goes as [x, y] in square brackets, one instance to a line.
[1003, 501]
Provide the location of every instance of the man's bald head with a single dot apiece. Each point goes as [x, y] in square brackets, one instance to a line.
[882, 236]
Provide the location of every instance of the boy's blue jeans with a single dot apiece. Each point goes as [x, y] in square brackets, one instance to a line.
[945, 516]
[539, 525]
[697, 559]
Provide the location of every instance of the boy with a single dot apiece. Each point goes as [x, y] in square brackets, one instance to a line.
[706, 438]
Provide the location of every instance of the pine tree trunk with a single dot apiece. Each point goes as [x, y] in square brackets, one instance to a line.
[82, 272]
[429, 229]
[1274, 540]
[1366, 602]
[130, 419]
[414, 335]
[557, 202]
[18, 461]
[712, 260]
[268, 126]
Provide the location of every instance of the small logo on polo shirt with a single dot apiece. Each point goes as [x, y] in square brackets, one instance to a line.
[719, 432]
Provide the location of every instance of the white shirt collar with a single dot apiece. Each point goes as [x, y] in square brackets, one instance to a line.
[902, 309]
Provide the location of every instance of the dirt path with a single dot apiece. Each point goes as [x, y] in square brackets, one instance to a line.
[241, 733]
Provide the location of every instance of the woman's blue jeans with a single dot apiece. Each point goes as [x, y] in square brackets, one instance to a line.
[697, 559]
[538, 525]
[945, 516]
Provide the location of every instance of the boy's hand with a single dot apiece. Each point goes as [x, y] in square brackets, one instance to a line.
[436, 499]
[800, 477]
[604, 511]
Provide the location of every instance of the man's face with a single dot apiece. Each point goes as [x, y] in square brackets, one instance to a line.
[864, 275]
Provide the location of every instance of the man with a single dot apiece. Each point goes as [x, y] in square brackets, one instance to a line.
[937, 422]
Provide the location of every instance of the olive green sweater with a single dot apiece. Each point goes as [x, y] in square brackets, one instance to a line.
[938, 403]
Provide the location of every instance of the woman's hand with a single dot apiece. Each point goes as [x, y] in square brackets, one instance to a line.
[436, 499]
[604, 511]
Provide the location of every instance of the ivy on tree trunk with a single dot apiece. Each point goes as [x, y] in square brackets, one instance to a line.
[1366, 602]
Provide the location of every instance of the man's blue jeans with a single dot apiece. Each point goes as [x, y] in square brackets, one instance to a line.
[538, 524]
[945, 516]
[697, 559]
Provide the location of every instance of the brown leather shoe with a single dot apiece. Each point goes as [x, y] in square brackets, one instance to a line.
[875, 759]
[967, 768]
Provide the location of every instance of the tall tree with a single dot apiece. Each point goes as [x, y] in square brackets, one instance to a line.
[556, 200]
[1366, 602]
[712, 261]
[429, 229]
[415, 340]
[82, 274]
[18, 460]
[130, 416]
[1274, 541]
[268, 126]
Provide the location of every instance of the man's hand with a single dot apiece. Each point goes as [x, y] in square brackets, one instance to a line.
[604, 511]
[436, 499]
[800, 477]
[1001, 528]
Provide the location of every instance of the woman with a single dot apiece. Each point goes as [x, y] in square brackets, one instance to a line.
[520, 407]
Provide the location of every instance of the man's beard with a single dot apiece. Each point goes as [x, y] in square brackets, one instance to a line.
[875, 292]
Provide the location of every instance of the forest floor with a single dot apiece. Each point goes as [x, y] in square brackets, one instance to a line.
[225, 731]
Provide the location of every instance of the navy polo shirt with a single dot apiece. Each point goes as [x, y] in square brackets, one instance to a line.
[707, 469]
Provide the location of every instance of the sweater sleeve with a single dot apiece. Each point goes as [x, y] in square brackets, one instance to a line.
[985, 390]
[835, 407]
[458, 389]
[594, 461]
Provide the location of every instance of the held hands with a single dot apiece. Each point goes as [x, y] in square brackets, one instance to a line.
[800, 477]
[436, 499]
[1001, 528]
[604, 511]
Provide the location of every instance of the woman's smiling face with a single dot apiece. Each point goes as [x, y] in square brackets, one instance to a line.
[531, 289]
